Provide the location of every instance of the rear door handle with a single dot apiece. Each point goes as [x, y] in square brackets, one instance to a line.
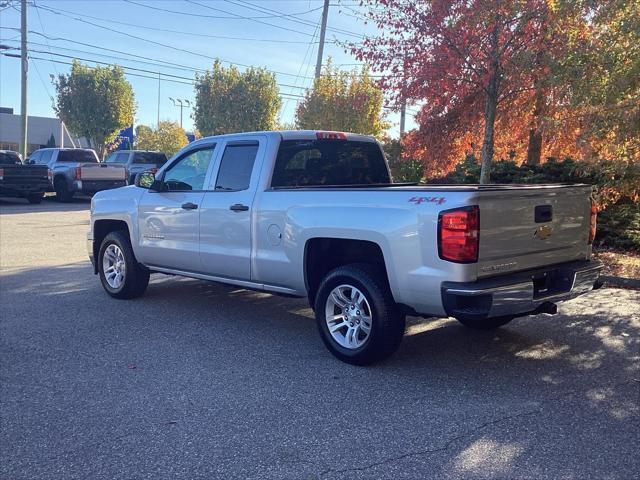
[238, 207]
[189, 206]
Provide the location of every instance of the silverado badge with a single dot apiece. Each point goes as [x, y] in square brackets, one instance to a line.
[543, 232]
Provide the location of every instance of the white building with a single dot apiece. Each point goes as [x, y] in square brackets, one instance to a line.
[39, 131]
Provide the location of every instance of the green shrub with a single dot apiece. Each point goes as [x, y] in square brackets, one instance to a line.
[619, 227]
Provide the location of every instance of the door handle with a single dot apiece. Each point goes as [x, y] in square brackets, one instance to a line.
[238, 207]
[189, 206]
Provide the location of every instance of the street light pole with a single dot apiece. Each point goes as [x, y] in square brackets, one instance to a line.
[182, 103]
[24, 79]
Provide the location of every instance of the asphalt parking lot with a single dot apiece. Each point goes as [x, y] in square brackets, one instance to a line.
[197, 380]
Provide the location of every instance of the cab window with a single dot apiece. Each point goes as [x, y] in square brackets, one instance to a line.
[236, 166]
[189, 172]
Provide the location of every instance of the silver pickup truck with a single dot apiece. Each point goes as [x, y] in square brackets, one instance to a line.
[314, 214]
[77, 170]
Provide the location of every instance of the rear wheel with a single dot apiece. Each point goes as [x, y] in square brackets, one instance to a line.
[63, 194]
[35, 197]
[486, 323]
[356, 315]
[121, 275]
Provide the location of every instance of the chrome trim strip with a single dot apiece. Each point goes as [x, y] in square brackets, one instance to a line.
[228, 281]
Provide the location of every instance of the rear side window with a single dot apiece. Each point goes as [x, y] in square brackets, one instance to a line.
[303, 163]
[9, 158]
[236, 166]
[151, 158]
[77, 156]
[45, 157]
[117, 157]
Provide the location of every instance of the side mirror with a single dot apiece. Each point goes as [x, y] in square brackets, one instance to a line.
[31, 162]
[145, 180]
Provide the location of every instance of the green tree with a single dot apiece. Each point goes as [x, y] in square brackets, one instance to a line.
[344, 101]
[602, 71]
[229, 101]
[51, 142]
[95, 103]
[169, 137]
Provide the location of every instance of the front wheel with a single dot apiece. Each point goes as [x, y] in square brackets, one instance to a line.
[356, 315]
[121, 275]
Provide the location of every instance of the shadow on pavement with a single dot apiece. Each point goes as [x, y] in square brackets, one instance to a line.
[10, 205]
[246, 381]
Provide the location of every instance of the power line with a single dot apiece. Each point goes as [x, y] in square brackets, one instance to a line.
[258, 8]
[304, 60]
[191, 14]
[278, 15]
[43, 31]
[172, 79]
[166, 30]
[190, 52]
[285, 85]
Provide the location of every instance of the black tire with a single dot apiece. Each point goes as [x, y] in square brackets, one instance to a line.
[387, 321]
[35, 198]
[136, 276]
[63, 194]
[485, 323]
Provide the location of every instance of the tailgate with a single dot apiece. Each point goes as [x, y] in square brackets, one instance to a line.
[532, 227]
[102, 171]
[24, 172]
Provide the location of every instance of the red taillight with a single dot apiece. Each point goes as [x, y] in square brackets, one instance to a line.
[592, 223]
[78, 173]
[331, 136]
[458, 234]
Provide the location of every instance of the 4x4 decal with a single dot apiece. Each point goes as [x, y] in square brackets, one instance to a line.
[419, 200]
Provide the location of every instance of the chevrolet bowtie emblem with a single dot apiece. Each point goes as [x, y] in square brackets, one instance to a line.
[543, 232]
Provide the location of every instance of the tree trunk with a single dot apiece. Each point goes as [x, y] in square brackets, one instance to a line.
[489, 130]
[534, 149]
[490, 107]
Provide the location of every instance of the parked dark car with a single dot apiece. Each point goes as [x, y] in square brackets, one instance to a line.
[20, 180]
[136, 161]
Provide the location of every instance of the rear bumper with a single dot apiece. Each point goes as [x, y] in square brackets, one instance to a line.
[521, 293]
[93, 186]
[22, 190]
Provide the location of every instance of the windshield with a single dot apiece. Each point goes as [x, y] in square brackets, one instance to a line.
[9, 158]
[303, 163]
[156, 158]
[77, 155]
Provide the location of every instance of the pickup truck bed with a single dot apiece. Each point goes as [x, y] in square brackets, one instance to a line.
[315, 214]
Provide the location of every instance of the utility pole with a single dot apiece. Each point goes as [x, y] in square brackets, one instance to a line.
[181, 103]
[25, 69]
[158, 124]
[403, 116]
[323, 31]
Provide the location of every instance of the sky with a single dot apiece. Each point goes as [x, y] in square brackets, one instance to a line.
[175, 39]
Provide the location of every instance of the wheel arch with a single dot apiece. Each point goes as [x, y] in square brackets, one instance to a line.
[323, 254]
[103, 227]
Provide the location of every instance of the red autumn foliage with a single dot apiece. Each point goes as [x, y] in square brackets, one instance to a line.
[481, 67]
